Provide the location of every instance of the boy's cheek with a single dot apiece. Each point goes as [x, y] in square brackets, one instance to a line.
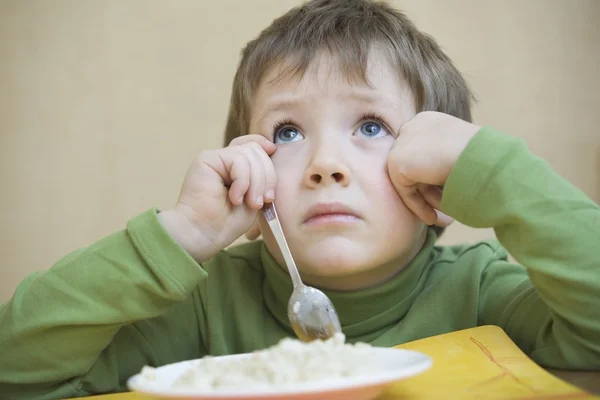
[388, 194]
[379, 146]
[288, 163]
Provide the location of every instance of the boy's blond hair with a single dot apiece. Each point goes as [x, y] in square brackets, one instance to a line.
[348, 30]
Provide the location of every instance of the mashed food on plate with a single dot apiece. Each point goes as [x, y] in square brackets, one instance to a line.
[287, 363]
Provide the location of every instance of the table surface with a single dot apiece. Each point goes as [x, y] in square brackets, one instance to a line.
[586, 380]
[473, 363]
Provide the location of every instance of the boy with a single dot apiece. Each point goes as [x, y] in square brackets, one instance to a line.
[352, 121]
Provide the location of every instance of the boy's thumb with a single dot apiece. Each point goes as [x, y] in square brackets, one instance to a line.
[254, 231]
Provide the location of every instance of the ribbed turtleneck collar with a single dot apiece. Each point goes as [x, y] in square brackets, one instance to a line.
[364, 313]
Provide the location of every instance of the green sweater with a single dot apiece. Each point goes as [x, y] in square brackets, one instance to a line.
[135, 298]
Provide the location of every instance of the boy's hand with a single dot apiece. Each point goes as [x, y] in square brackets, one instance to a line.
[221, 195]
[421, 160]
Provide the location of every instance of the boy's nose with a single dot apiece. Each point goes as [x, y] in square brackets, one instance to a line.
[326, 172]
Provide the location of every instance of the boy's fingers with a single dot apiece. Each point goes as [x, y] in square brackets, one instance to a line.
[410, 194]
[240, 178]
[398, 179]
[417, 204]
[426, 208]
[268, 146]
[255, 196]
[443, 220]
[262, 188]
[270, 176]
[431, 194]
[254, 231]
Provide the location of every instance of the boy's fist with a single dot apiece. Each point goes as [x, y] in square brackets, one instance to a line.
[221, 195]
[421, 159]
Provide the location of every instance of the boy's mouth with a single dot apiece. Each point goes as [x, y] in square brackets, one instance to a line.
[330, 213]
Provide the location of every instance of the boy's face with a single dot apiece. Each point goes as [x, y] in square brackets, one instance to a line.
[345, 224]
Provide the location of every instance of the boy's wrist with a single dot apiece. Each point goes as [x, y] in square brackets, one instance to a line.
[191, 239]
[477, 173]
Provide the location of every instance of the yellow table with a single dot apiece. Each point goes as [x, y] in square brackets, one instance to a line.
[475, 363]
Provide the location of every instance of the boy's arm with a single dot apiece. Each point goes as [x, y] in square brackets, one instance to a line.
[98, 315]
[549, 227]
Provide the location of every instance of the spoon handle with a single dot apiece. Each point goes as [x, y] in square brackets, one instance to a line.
[271, 216]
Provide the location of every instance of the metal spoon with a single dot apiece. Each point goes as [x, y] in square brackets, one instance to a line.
[310, 311]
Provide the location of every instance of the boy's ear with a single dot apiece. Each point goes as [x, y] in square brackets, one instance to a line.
[254, 231]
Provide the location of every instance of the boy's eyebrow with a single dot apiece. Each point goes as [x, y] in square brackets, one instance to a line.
[282, 105]
[367, 96]
[285, 103]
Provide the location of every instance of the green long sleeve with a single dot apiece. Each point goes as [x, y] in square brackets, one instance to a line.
[56, 330]
[136, 298]
[552, 229]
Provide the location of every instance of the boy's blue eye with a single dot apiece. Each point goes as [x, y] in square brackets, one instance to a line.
[372, 129]
[288, 135]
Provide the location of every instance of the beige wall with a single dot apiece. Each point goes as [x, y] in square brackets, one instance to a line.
[103, 103]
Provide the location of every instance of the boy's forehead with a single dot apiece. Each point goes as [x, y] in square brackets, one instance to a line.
[280, 90]
[326, 70]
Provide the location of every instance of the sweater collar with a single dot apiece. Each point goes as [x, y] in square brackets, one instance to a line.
[362, 313]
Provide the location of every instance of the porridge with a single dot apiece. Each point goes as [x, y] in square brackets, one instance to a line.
[289, 362]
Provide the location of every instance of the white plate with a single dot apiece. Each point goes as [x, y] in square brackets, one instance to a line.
[396, 364]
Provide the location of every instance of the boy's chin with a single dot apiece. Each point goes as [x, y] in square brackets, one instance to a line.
[336, 257]
[331, 262]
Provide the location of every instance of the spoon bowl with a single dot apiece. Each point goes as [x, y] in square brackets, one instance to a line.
[312, 314]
